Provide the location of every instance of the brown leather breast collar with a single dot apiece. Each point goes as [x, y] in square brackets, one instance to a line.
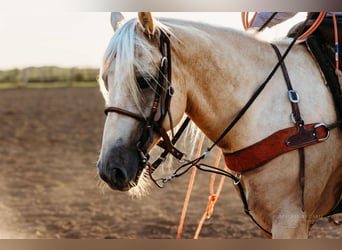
[279, 143]
[282, 141]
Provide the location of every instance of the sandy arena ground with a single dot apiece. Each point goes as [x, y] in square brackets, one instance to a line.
[49, 144]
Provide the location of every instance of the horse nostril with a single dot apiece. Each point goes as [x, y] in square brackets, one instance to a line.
[119, 176]
[116, 178]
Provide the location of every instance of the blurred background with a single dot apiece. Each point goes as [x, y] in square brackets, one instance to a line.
[40, 48]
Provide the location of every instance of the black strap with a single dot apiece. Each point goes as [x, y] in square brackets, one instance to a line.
[267, 21]
[294, 99]
[292, 94]
[302, 174]
[161, 144]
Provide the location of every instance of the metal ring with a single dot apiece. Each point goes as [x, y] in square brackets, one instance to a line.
[293, 96]
[238, 177]
[322, 124]
[163, 61]
[171, 91]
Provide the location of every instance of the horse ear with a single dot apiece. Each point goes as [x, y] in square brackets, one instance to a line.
[147, 22]
[116, 19]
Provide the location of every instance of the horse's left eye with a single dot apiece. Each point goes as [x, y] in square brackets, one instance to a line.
[144, 83]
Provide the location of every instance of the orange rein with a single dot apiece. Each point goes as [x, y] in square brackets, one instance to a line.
[313, 27]
[248, 24]
[213, 197]
[337, 67]
[336, 41]
[188, 193]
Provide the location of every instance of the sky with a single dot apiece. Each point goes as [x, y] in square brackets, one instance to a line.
[73, 39]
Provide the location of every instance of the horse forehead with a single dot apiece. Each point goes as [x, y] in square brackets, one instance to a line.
[147, 55]
[118, 92]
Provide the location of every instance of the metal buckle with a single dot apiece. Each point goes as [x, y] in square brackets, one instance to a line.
[161, 182]
[322, 124]
[292, 117]
[293, 96]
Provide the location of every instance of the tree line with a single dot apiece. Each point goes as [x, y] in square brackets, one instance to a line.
[48, 74]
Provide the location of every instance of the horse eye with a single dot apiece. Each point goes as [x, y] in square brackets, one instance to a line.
[144, 83]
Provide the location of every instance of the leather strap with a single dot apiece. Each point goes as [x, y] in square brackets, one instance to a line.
[292, 94]
[276, 144]
[300, 137]
[166, 151]
[124, 112]
[301, 153]
[166, 143]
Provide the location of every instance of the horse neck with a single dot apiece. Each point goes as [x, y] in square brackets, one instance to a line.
[220, 69]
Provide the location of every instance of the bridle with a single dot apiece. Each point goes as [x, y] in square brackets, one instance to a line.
[162, 98]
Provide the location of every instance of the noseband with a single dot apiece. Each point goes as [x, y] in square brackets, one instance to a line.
[162, 98]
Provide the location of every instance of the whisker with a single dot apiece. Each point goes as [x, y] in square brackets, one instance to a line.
[143, 187]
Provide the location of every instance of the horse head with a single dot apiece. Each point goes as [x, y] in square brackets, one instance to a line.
[135, 82]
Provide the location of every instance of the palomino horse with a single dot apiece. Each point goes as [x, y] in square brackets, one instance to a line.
[215, 71]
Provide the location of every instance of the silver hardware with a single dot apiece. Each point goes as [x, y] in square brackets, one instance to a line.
[205, 154]
[163, 61]
[238, 176]
[164, 180]
[293, 118]
[322, 124]
[183, 160]
[293, 96]
[170, 91]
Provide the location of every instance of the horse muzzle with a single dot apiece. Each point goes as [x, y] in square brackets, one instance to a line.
[116, 178]
[120, 171]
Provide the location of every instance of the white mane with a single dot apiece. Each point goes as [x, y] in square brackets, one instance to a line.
[122, 48]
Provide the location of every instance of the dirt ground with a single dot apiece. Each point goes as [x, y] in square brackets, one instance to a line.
[49, 144]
